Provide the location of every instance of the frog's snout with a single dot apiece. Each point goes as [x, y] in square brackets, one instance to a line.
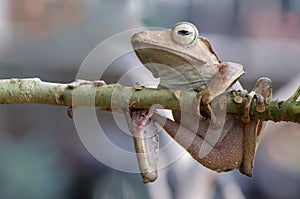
[139, 40]
[139, 36]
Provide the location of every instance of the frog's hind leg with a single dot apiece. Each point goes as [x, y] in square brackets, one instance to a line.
[224, 156]
[254, 128]
[145, 136]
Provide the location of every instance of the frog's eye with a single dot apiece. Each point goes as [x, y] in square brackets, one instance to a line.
[184, 33]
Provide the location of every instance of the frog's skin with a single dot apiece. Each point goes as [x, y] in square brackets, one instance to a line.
[183, 60]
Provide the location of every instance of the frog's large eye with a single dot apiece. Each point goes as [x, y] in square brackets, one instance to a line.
[184, 33]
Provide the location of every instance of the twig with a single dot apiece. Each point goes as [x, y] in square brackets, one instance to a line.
[35, 91]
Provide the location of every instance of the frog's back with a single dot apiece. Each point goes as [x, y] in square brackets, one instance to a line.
[212, 57]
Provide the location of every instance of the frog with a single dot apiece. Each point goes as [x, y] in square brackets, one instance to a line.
[184, 60]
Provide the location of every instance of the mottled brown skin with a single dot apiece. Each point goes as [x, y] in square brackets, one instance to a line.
[226, 155]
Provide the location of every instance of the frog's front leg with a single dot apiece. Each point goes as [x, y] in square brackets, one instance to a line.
[145, 138]
[226, 74]
[254, 129]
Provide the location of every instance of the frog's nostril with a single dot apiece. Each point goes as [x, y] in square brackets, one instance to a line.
[145, 33]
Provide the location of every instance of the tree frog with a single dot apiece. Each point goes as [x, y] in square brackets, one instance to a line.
[184, 60]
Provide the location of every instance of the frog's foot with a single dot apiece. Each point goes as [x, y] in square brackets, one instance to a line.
[205, 99]
[239, 97]
[140, 118]
[70, 111]
[260, 107]
[262, 92]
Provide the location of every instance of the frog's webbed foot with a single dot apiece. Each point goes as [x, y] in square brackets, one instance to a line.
[262, 92]
[78, 83]
[260, 105]
[239, 97]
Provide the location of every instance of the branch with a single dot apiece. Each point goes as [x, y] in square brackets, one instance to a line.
[35, 91]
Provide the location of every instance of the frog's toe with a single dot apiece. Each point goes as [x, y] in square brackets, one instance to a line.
[216, 124]
[239, 95]
[142, 117]
[246, 116]
[238, 99]
[260, 107]
[70, 111]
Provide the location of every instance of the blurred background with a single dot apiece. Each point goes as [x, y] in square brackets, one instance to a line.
[41, 155]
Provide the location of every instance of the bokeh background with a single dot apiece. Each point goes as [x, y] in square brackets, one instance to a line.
[41, 155]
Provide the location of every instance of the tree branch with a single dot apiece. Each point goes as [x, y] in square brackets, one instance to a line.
[35, 91]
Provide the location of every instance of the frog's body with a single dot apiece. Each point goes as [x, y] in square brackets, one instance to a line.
[183, 60]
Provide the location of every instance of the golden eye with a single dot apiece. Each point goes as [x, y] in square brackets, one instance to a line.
[184, 33]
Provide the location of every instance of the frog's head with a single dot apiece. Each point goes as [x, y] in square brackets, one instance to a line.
[183, 35]
[181, 58]
[174, 47]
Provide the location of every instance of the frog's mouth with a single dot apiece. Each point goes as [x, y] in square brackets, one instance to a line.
[173, 70]
[153, 52]
[163, 56]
